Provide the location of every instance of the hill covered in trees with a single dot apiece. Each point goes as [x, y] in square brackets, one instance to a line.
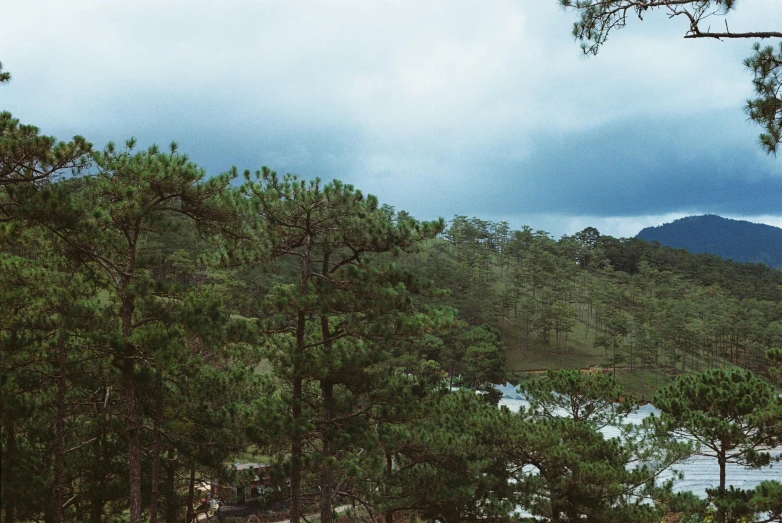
[644, 311]
[737, 240]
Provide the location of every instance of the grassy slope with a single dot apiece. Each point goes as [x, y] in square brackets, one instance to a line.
[579, 354]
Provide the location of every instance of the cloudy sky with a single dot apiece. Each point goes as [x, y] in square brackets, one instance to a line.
[439, 107]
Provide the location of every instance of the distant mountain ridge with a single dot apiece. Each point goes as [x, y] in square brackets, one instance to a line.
[737, 240]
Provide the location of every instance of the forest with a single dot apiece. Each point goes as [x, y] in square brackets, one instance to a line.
[159, 325]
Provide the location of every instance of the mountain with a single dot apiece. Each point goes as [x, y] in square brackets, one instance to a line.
[737, 240]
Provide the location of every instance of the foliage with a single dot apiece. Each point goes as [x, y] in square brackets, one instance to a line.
[336, 325]
[579, 472]
[28, 158]
[766, 107]
[733, 417]
[5, 76]
[597, 18]
[594, 398]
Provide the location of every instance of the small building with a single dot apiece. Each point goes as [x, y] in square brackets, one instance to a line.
[250, 481]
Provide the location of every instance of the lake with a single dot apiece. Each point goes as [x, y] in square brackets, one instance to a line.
[699, 472]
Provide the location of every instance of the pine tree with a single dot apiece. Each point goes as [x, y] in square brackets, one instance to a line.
[27, 158]
[732, 416]
[337, 302]
[579, 472]
[50, 312]
[5, 76]
[102, 219]
[440, 459]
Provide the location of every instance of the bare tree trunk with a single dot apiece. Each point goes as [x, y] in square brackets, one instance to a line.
[614, 345]
[722, 463]
[96, 510]
[297, 447]
[643, 380]
[96, 496]
[134, 446]
[327, 393]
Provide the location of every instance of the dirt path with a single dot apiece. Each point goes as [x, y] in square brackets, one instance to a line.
[341, 508]
[586, 369]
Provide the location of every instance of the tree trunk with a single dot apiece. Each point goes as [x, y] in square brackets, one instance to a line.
[557, 508]
[47, 466]
[297, 447]
[8, 472]
[722, 463]
[389, 515]
[614, 362]
[172, 503]
[96, 509]
[327, 390]
[643, 380]
[59, 434]
[190, 495]
[158, 414]
[296, 450]
[96, 495]
[134, 446]
[131, 410]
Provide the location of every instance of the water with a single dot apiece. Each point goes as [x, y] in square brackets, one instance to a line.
[700, 473]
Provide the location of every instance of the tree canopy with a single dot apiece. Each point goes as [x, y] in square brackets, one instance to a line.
[732, 416]
[598, 18]
[5, 76]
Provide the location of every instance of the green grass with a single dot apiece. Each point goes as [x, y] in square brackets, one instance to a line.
[251, 455]
[579, 354]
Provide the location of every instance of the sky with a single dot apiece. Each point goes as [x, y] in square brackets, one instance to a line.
[438, 107]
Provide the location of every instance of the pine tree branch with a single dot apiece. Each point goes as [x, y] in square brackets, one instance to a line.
[728, 34]
[77, 447]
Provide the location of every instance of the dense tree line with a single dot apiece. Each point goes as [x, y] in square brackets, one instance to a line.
[623, 302]
[157, 323]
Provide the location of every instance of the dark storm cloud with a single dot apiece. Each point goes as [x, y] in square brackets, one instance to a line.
[218, 135]
[644, 166]
[483, 109]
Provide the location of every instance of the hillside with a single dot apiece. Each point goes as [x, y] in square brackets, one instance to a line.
[737, 240]
[642, 311]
